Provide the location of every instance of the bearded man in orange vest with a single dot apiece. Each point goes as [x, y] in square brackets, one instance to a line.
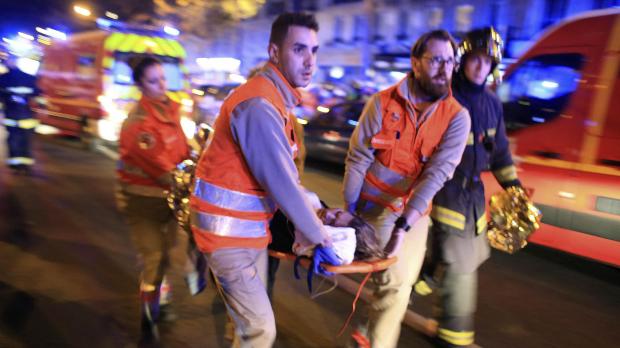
[409, 139]
[248, 170]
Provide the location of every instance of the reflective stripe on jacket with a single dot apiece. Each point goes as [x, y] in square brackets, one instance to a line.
[229, 207]
[26, 123]
[400, 152]
[151, 144]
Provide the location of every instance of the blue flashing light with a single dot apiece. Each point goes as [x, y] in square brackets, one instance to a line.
[538, 119]
[352, 122]
[104, 23]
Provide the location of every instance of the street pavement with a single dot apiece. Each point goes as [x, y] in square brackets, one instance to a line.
[69, 276]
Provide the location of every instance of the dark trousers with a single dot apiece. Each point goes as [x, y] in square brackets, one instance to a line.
[19, 145]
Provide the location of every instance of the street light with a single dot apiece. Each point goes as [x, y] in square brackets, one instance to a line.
[81, 10]
[111, 15]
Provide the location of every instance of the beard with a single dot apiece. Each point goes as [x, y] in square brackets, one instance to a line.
[431, 87]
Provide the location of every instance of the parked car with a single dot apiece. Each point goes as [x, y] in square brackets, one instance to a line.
[327, 134]
[209, 99]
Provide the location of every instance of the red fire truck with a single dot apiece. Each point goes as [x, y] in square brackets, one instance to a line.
[561, 106]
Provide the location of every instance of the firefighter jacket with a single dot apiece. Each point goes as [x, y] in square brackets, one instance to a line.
[248, 169]
[459, 207]
[16, 92]
[151, 144]
[401, 157]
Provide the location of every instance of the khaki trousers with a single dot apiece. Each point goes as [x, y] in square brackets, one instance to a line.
[153, 232]
[242, 274]
[392, 287]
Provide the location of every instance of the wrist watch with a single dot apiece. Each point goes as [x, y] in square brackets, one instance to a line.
[401, 222]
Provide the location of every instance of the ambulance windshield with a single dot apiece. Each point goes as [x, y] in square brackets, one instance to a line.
[122, 71]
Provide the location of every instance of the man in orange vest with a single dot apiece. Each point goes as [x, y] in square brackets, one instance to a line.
[248, 170]
[409, 139]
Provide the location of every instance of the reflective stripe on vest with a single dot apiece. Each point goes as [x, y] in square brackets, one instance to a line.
[481, 224]
[233, 200]
[27, 123]
[225, 205]
[229, 226]
[458, 338]
[230, 213]
[448, 217]
[386, 187]
[402, 146]
[20, 160]
[455, 219]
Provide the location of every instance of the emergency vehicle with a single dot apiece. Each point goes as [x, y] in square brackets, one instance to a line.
[561, 102]
[87, 84]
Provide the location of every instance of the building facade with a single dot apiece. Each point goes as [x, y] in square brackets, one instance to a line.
[358, 35]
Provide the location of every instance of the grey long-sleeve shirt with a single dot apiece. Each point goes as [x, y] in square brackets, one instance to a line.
[437, 170]
[258, 128]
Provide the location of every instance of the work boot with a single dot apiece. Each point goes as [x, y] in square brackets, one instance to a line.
[196, 267]
[150, 316]
[360, 339]
[166, 311]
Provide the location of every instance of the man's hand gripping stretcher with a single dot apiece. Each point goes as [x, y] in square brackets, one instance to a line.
[354, 246]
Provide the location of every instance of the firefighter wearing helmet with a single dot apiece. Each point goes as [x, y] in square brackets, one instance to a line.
[17, 91]
[459, 243]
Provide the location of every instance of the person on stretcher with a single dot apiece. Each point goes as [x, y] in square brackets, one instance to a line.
[353, 238]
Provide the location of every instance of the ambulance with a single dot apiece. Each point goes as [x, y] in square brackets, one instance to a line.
[562, 110]
[87, 85]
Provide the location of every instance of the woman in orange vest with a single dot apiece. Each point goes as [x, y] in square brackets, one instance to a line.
[152, 142]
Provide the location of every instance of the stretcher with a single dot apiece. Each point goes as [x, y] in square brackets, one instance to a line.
[367, 267]
[354, 267]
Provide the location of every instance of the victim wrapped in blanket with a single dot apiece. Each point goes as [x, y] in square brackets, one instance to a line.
[353, 238]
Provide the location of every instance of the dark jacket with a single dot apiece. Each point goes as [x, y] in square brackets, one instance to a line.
[16, 90]
[459, 207]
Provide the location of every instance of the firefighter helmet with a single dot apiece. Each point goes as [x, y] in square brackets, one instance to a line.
[486, 40]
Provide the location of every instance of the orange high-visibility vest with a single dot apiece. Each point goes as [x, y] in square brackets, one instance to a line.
[151, 143]
[402, 150]
[229, 208]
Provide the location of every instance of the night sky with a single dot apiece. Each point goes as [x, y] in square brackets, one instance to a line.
[25, 15]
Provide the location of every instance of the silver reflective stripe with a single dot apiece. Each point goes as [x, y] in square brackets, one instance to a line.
[390, 177]
[9, 122]
[371, 190]
[233, 200]
[20, 160]
[228, 226]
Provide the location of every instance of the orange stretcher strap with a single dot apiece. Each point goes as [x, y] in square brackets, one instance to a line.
[367, 267]
[354, 267]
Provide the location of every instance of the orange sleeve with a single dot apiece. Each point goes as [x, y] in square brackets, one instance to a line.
[147, 150]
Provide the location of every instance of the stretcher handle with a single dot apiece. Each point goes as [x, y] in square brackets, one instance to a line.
[354, 267]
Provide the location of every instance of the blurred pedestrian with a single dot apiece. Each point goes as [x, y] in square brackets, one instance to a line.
[17, 90]
[409, 139]
[459, 243]
[151, 144]
[248, 170]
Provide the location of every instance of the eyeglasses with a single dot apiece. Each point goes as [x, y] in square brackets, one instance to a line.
[436, 62]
